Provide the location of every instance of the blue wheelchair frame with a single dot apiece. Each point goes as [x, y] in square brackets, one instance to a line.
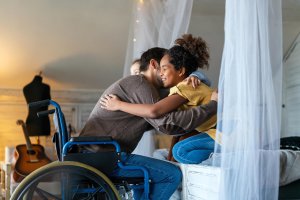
[66, 143]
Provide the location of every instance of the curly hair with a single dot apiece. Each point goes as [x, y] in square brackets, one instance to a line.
[189, 52]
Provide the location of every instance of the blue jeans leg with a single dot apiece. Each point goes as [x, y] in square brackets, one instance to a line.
[194, 150]
[165, 177]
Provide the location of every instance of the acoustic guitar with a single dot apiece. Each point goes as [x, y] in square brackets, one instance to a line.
[28, 157]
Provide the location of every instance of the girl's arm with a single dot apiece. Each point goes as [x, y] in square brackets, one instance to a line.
[168, 104]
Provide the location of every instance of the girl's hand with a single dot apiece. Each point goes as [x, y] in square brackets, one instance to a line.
[110, 102]
[214, 96]
[192, 80]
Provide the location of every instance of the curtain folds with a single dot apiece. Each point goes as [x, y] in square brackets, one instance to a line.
[156, 23]
[249, 110]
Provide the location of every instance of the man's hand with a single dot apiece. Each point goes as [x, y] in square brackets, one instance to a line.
[110, 102]
[192, 80]
[214, 96]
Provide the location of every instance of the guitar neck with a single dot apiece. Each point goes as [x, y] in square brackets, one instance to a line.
[26, 135]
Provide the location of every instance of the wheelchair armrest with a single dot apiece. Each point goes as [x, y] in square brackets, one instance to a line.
[89, 139]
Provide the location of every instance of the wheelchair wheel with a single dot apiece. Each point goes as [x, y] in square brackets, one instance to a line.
[66, 180]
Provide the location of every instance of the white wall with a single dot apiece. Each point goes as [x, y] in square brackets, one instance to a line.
[210, 28]
[290, 30]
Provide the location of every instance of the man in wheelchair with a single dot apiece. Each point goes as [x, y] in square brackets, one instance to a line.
[128, 129]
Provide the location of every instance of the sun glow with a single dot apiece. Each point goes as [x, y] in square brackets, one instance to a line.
[10, 58]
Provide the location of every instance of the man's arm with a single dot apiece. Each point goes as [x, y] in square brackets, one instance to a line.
[177, 122]
[180, 122]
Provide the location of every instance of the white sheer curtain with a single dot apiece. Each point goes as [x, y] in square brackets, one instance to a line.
[249, 109]
[155, 23]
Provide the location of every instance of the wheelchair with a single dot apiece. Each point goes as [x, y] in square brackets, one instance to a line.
[79, 175]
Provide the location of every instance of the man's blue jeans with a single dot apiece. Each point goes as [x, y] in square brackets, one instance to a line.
[165, 177]
[194, 150]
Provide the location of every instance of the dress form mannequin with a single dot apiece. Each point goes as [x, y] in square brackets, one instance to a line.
[37, 91]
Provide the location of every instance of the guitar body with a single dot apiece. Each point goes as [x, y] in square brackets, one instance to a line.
[28, 160]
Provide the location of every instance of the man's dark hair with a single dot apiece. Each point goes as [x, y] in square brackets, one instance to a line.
[155, 53]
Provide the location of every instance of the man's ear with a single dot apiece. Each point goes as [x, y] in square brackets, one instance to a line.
[154, 64]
